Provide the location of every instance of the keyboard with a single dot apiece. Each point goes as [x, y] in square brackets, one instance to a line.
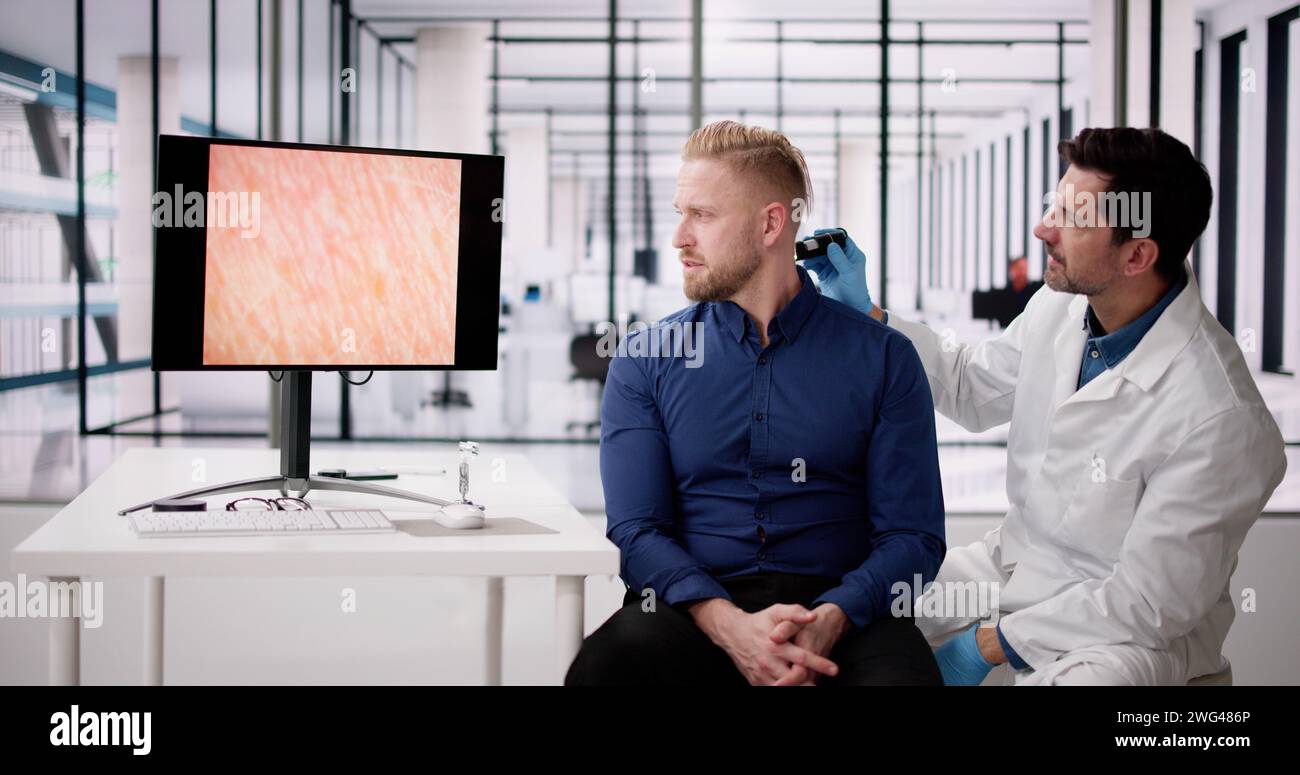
[166, 524]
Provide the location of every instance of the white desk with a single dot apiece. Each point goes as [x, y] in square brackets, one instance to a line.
[87, 538]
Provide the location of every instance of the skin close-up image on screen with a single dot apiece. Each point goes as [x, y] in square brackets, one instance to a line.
[351, 260]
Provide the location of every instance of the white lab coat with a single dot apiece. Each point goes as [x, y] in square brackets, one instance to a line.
[1129, 498]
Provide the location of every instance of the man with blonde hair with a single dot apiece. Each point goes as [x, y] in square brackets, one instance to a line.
[768, 500]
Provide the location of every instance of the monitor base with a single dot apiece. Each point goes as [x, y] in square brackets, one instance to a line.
[295, 456]
[297, 488]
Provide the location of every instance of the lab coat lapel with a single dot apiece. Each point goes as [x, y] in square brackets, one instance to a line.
[1067, 352]
[1103, 386]
[1151, 358]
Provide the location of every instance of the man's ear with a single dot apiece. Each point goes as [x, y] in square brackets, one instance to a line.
[775, 218]
[1142, 255]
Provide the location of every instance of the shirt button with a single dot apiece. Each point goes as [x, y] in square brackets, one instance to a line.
[762, 361]
[1094, 354]
[761, 515]
[762, 555]
[755, 473]
[758, 416]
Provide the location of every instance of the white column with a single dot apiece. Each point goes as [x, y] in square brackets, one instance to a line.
[1138, 77]
[1101, 77]
[135, 188]
[569, 218]
[451, 106]
[527, 206]
[451, 88]
[1291, 319]
[1250, 212]
[1178, 41]
[859, 204]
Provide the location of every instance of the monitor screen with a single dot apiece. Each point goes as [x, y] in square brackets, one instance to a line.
[276, 255]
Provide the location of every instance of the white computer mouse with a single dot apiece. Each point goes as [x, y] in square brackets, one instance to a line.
[459, 516]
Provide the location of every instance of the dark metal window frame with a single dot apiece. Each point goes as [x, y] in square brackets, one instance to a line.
[344, 25]
[1229, 154]
[1275, 166]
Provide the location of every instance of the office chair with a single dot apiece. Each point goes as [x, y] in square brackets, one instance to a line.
[588, 364]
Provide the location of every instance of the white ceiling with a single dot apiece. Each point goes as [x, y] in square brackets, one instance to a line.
[43, 32]
[726, 58]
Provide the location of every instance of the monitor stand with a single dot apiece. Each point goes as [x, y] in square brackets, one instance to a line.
[295, 451]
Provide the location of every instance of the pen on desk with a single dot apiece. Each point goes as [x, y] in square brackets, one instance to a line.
[378, 473]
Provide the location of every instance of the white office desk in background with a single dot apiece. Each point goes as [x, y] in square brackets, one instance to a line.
[88, 538]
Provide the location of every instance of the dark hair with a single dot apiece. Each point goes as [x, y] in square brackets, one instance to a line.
[1135, 161]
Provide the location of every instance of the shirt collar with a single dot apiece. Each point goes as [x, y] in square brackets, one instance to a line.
[1116, 345]
[789, 320]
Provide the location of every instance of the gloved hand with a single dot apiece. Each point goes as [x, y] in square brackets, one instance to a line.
[842, 273]
[960, 660]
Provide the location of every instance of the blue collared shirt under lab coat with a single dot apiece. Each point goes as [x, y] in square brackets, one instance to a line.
[1104, 350]
[815, 455]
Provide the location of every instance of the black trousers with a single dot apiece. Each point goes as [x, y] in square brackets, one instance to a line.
[665, 647]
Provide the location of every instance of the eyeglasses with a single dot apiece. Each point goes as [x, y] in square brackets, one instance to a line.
[268, 504]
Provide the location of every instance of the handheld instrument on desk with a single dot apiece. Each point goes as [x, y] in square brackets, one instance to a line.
[377, 473]
[180, 504]
[356, 475]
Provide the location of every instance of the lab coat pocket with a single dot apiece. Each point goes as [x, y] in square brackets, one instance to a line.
[1099, 515]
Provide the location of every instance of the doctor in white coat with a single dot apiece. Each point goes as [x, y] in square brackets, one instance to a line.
[1139, 451]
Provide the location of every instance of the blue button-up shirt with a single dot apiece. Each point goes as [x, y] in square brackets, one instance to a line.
[814, 455]
[1105, 351]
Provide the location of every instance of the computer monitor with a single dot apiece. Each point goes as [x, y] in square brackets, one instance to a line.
[285, 256]
[300, 258]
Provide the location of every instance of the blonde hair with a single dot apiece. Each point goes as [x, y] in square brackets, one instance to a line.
[766, 156]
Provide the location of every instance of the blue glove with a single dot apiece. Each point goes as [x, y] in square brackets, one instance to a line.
[960, 660]
[842, 273]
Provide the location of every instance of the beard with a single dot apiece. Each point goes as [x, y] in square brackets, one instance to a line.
[721, 279]
[1059, 279]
